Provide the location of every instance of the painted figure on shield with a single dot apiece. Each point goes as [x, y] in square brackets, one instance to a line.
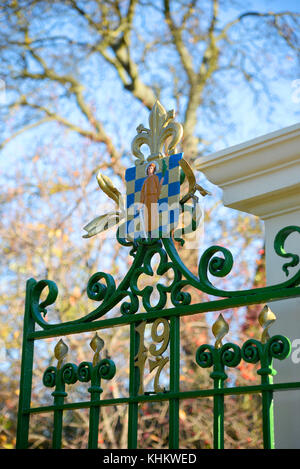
[149, 197]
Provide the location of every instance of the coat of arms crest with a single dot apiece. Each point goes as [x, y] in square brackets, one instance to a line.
[153, 205]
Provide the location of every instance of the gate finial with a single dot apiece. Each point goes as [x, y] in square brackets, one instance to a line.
[220, 328]
[266, 319]
[97, 345]
[161, 127]
[60, 351]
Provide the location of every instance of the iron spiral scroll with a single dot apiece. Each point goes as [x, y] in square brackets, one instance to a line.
[102, 288]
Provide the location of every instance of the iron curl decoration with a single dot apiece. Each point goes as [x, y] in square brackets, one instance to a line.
[84, 372]
[130, 307]
[98, 291]
[106, 369]
[205, 356]
[39, 308]
[179, 297]
[254, 351]
[217, 266]
[69, 373]
[228, 355]
[49, 376]
[279, 242]
[279, 347]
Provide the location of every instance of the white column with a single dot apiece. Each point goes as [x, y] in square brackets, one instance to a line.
[262, 177]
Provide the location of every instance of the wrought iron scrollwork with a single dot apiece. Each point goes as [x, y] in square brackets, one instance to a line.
[219, 355]
[102, 288]
[252, 351]
[70, 373]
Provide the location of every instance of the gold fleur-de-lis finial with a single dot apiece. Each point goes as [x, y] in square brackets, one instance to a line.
[220, 328]
[161, 127]
[97, 345]
[60, 351]
[266, 319]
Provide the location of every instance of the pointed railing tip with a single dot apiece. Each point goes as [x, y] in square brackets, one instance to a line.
[60, 351]
[96, 345]
[266, 318]
[219, 329]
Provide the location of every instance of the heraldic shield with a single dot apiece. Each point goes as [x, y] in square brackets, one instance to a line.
[152, 207]
[152, 198]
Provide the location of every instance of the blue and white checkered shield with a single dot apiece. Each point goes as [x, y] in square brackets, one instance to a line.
[168, 203]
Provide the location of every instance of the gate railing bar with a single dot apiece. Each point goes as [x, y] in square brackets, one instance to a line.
[59, 395]
[218, 425]
[174, 382]
[26, 371]
[134, 381]
[238, 390]
[268, 415]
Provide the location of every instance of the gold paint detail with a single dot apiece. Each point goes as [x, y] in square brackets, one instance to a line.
[161, 127]
[193, 186]
[141, 356]
[266, 318]
[107, 186]
[60, 351]
[164, 337]
[97, 345]
[110, 219]
[143, 353]
[220, 328]
[159, 363]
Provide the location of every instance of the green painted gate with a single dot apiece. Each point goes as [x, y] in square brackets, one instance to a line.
[137, 311]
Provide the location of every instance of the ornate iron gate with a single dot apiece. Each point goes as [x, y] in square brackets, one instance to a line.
[164, 318]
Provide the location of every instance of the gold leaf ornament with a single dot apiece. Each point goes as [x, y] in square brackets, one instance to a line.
[266, 318]
[60, 351]
[193, 186]
[219, 329]
[110, 219]
[102, 223]
[107, 186]
[96, 345]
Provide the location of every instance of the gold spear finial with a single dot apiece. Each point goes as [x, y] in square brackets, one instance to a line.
[266, 319]
[97, 345]
[60, 351]
[220, 328]
[161, 127]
